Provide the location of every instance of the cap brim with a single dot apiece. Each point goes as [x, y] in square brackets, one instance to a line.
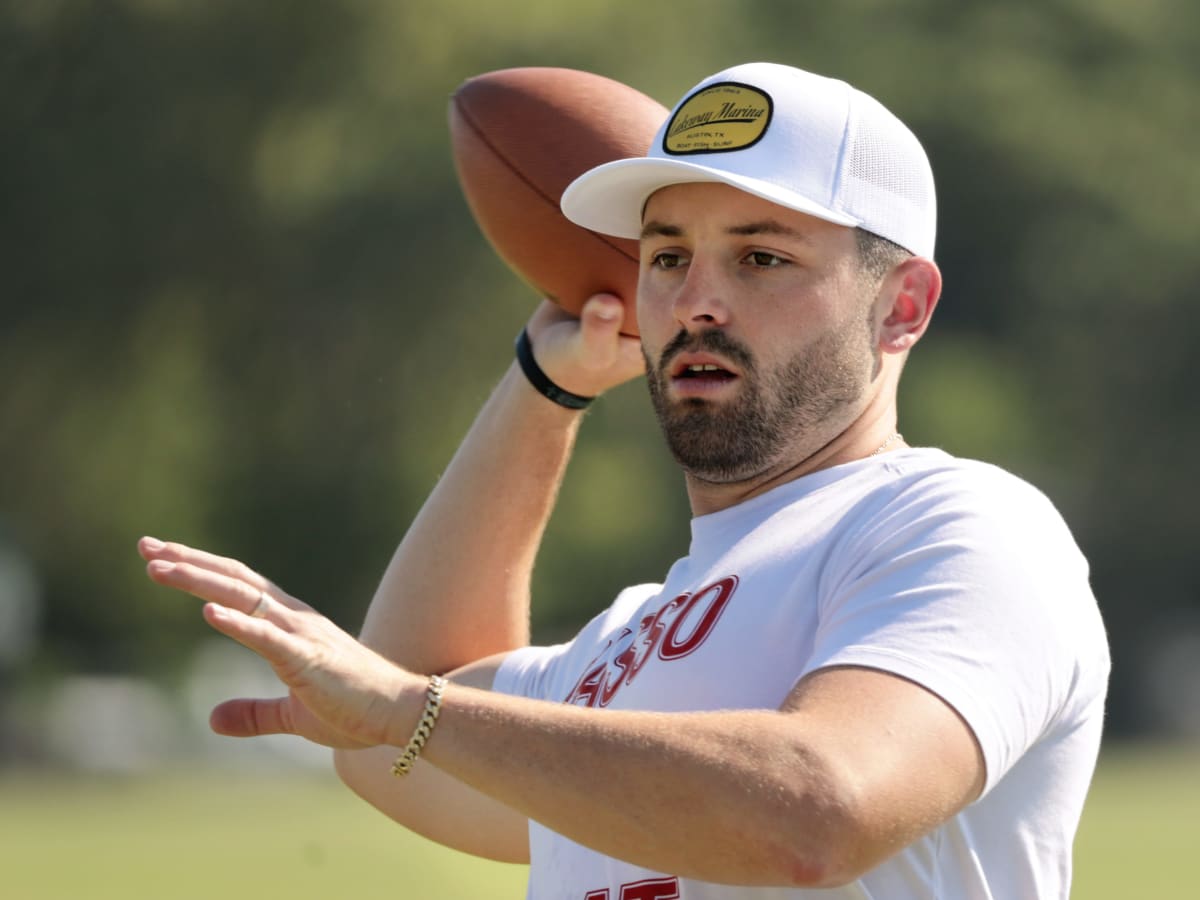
[610, 198]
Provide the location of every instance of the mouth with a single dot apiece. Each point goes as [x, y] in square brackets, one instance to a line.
[697, 375]
[705, 370]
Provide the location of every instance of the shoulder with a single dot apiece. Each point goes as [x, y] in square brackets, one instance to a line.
[940, 490]
[926, 471]
[965, 541]
[964, 578]
[919, 500]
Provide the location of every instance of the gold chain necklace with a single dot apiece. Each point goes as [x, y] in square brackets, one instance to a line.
[896, 436]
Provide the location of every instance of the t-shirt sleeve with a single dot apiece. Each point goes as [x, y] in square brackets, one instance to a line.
[549, 673]
[972, 588]
[523, 673]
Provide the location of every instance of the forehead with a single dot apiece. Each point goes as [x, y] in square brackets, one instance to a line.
[695, 206]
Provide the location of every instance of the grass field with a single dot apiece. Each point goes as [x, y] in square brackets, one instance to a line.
[1140, 827]
[238, 838]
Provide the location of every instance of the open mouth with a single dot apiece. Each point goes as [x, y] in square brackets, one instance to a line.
[700, 375]
[704, 372]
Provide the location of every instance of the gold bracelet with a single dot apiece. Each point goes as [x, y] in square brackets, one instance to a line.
[433, 705]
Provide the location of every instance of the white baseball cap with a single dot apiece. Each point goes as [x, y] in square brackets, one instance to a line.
[804, 141]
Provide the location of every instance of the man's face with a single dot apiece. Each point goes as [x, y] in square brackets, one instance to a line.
[756, 326]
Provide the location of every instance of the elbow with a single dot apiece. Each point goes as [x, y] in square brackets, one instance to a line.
[827, 867]
[825, 870]
[830, 845]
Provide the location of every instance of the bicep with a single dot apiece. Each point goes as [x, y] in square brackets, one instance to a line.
[434, 804]
[909, 760]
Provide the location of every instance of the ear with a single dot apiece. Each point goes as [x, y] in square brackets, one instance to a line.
[908, 296]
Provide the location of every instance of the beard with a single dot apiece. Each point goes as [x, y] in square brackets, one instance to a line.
[789, 407]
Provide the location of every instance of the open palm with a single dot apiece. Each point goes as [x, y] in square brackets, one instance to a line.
[340, 693]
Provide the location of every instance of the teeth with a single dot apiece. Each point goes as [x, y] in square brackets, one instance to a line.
[707, 367]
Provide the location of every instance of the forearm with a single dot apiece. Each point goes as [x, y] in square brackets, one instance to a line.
[730, 797]
[457, 587]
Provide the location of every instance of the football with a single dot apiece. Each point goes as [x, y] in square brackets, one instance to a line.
[519, 137]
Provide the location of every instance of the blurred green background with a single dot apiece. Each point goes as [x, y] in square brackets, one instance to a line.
[243, 305]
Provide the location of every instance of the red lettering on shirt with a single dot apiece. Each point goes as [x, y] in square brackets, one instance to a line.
[709, 603]
[679, 627]
[650, 889]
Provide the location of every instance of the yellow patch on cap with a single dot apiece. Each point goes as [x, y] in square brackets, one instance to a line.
[720, 117]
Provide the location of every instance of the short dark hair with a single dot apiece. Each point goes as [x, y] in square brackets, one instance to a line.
[877, 255]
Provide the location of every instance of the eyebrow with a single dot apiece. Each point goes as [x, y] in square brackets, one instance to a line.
[769, 226]
[765, 226]
[660, 229]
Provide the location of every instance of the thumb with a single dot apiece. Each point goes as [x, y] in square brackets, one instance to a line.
[250, 718]
[600, 335]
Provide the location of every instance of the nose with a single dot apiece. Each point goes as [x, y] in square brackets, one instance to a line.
[698, 301]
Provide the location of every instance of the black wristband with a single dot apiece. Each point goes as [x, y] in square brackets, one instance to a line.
[541, 381]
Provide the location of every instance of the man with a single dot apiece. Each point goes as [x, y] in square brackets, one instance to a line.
[879, 672]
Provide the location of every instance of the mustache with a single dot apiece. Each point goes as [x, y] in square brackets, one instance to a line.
[712, 341]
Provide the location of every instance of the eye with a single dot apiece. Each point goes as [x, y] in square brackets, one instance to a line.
[665, 259]
[763, 260]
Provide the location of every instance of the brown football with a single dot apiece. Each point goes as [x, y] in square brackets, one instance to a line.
[519, 137]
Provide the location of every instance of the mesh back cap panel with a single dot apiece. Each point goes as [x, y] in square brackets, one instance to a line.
[886, 179]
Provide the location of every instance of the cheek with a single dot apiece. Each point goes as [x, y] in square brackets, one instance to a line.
[642, 288]
[654, 315]
[649, 288]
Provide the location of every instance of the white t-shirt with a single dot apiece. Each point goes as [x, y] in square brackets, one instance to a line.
[951, 573]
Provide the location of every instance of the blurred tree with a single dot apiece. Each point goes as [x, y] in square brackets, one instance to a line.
[244, 304]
